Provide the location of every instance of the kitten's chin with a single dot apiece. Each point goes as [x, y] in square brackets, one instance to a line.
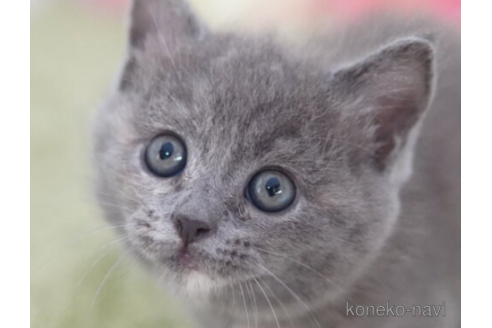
[196, 283]
[191, 278]
[193, 284]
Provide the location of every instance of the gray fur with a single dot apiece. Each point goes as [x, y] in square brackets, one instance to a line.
[376, 218]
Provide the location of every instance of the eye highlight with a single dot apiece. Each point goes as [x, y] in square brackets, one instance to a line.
[271, 191]
[165, 156]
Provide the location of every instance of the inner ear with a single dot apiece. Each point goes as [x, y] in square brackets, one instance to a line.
[391, 87]
[169, 21]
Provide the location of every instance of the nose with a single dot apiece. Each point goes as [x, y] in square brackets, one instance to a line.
[191, 230]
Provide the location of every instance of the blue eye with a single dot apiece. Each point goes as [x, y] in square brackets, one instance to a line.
[165, 156]
[271, 191]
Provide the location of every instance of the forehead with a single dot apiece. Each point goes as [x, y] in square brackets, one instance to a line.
[247, 100]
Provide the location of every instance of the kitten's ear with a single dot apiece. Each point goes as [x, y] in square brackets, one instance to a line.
[168, 20]
[393, 87]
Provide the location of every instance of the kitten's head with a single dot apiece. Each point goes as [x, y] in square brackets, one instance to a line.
[220, 158]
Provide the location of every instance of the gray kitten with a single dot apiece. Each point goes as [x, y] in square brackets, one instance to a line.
[272, 187]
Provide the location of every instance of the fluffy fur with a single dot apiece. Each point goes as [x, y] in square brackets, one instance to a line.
[376, 218]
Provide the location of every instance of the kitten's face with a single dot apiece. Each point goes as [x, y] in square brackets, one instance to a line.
[234, 109]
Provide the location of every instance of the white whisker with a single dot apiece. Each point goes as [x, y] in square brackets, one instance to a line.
[268, 301]
[303, 265]
[292, 292]
[231, 314]
[76, 242]
[245, 306]
[253, 300]
[106, 277]
[278, 300]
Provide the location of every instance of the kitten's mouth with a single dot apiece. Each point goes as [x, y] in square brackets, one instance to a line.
[187, 260]
[195, 278]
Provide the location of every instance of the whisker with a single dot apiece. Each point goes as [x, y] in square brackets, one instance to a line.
[292, 292]
[94, 263]
[253, 299]
[245, 306]
[76, 242]
[105, 278]
[119, 207]
[111, 243]
[268, 301]
[303, 265]
[231, 314]
[278, 300]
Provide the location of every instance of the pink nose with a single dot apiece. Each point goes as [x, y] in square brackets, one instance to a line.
[191, 230]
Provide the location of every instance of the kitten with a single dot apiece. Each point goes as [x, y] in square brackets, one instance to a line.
[272, 187]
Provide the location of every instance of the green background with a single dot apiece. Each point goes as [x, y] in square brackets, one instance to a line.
[75, 53]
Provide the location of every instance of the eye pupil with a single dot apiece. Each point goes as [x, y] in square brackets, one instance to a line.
[165, 155]
[166, 151]
[273, 187]
[271, 190]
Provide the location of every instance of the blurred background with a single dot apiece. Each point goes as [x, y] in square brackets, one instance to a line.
[76, 49]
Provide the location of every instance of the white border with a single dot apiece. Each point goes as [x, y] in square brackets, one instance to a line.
[476, 163]
[14, 164]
